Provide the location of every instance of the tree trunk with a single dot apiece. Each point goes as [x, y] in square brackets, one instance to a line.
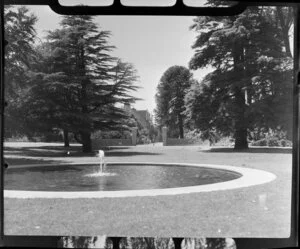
[240, 139]
[285, 23]
[240, 121]
[287, 43]
[180, 124]
[86, 142]
[78, 139]
[240, 128]
[66, 138]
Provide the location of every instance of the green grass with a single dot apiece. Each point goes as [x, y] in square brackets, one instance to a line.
[231, 213]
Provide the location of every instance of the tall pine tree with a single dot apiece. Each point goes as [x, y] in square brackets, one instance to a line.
[19, 56]
[171, 91]
[250, 66]
[80, 83]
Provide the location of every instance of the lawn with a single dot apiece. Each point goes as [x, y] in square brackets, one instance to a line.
[258, 211]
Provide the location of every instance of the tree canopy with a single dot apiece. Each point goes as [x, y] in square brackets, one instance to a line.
[19, 56]
[83, 81]
[74, 84]
[251, 84]
[20, 53]
[170, 95]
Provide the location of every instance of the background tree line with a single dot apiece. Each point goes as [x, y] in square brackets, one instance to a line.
[249, 91]
[69, 81]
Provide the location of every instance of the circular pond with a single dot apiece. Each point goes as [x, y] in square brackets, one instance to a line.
[126, 180]
[115, 177]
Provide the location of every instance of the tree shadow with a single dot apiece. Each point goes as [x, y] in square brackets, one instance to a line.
[251, 150]
[26, 161]
[47, 151]
[61, 151]
[129, 153]
[107, 148]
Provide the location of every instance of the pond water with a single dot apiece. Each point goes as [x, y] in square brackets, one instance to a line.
[116, 177]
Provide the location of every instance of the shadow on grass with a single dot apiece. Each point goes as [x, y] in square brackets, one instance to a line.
[24, 161]
[107, 148]
[61, 151]
[129, 153]
[251, 150]
[47, 151]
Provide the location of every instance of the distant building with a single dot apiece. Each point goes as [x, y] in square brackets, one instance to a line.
[143, 116]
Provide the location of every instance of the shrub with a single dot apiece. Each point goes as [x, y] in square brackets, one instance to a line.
[193, 134]
[283, 143]
[272, 142]
[224, 141]
[286, 143]
[51, 137]
[261, 142]
[17, 139]
[143, 140]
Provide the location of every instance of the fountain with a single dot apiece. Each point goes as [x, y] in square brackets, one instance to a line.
[102, 162]
[128, 179]
[142, 178]
[101, 167]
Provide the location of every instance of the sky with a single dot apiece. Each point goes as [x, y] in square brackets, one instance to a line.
[151, 43]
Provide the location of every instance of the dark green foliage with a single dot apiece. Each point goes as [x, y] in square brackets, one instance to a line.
[251, 84]
[272, 142]
[76, 84]
[170, 94]
[262, 142]
[123, 131]
[19, 56]
[19, 53]
[271, 138]
[144, 135]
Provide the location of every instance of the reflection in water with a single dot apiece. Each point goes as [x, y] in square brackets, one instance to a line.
[104, 242]
[116, 177]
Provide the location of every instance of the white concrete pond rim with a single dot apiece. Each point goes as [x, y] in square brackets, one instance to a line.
[250, 177]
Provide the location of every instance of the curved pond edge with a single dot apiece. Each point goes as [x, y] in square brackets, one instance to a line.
[250, 177]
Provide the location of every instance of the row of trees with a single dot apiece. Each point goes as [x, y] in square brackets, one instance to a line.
[69, 81]
[145, 134]
[171, 91]
[250, 86]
